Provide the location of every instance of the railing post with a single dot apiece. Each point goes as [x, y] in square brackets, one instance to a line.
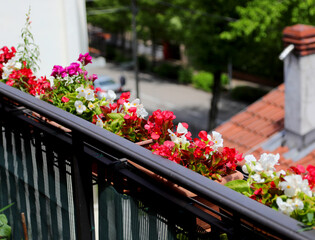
[82, 190]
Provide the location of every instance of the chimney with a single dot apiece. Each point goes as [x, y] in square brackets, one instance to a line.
[299, 76]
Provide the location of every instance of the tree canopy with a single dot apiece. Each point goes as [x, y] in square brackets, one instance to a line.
[246, 32]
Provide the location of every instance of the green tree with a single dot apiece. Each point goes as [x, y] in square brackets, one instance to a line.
[203, 25]
[259, 27]
[112, 16]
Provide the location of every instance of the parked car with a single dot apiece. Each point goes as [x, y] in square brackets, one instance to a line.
[106, 83]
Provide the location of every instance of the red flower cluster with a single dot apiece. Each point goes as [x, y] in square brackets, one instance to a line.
[5, 55]
[199, 156]
[24, 79]
[158, 124]
[121, 122]
[39, 86]
[308, 174]
[20, 78]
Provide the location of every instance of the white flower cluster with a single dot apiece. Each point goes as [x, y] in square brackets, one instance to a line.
[88, 95]
[182, 140]
[265, 164]
[290, 205]
[141, 112]
[12, 64]
[292, 184]
[216, 137]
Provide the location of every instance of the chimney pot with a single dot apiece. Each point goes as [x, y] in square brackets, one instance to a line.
[303, 38]
[299, 74]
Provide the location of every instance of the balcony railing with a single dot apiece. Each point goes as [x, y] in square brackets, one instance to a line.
[51, 175]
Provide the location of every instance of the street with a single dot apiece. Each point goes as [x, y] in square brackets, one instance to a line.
[190, 105]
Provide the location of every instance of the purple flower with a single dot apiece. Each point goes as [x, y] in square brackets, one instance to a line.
[73, 69]
[93, 77]
[85, 59]
[58, 71]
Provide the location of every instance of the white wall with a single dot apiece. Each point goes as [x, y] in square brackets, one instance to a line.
[58, 26]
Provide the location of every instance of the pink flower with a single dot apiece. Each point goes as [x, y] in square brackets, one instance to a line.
[58, 71]
[64, 99]
[85, 59]
[93, 77]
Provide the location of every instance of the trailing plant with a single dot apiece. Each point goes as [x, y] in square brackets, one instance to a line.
[5, 229]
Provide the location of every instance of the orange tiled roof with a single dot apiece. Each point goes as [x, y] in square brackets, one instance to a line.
[248, 130]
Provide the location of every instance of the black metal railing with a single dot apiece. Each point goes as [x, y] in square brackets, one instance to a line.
[80, 184]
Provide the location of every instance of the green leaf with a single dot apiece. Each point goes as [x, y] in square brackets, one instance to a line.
[116, 115]
[5, 231]
[6, 207]
[3, 219]
[238, 185]
[310, 216]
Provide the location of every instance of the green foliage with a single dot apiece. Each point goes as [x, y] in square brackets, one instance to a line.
[203, 80]
[224, 79]
[111, 15]
[28, 51]
[167, 70]
[238, 185]
[5, 229]
[258, 30]
[185, 75]
[247, 93]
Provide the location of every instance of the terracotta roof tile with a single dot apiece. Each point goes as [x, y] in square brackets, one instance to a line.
[256, 107]
[247, 130]
[225, 127]
[273, 96]
[241, 117]
[281, 87]
[270, 129]
[277, 116]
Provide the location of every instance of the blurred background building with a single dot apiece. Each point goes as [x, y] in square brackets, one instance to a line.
[59, 28]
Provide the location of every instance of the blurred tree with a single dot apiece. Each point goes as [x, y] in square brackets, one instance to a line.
[203, 25]
[113, 16]
[259, 27]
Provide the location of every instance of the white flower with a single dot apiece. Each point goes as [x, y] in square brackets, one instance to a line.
[181, 129]
[268, 162]
[257, 178]
[6, 73]
[127, 105]
[284, 207]
[12, 64]
[135, 103]
[250, 160]
[297, 203]
[80, 107]
[172, 135]
[82, 92]
[89, 95]
[110, 96]
[216, 139]
[281, 172]
[68, 80]
[182, 140]
[294, 184]
[51, 79]
[141, 112]
[99, 122]
[18, 65]
[91, 105]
